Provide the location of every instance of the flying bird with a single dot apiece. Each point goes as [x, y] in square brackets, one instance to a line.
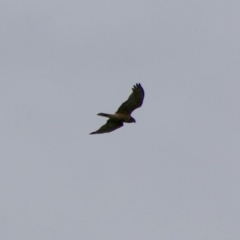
[123, 114]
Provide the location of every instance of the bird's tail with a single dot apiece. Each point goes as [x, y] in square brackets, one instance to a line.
[104, 115]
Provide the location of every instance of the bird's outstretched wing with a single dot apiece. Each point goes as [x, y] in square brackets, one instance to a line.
[134, 101]
[110, 126]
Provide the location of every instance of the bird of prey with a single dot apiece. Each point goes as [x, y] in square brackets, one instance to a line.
[123, 113]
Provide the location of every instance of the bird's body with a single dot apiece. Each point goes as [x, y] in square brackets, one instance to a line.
[117, 116]
[123, 113]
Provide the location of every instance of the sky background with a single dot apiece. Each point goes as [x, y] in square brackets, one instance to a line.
[174, 175]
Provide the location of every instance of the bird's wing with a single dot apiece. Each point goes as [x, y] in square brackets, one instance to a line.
[109, 126]
[134, 101]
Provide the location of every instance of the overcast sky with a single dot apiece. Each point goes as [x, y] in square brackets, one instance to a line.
[174, 175]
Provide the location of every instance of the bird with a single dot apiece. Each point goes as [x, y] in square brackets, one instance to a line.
[123, 114]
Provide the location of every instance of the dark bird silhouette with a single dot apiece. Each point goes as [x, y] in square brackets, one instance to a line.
[123, 113]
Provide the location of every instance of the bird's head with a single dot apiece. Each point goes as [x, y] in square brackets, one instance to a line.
[132, 120]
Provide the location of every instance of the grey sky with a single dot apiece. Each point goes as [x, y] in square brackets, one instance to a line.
[174, 175]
